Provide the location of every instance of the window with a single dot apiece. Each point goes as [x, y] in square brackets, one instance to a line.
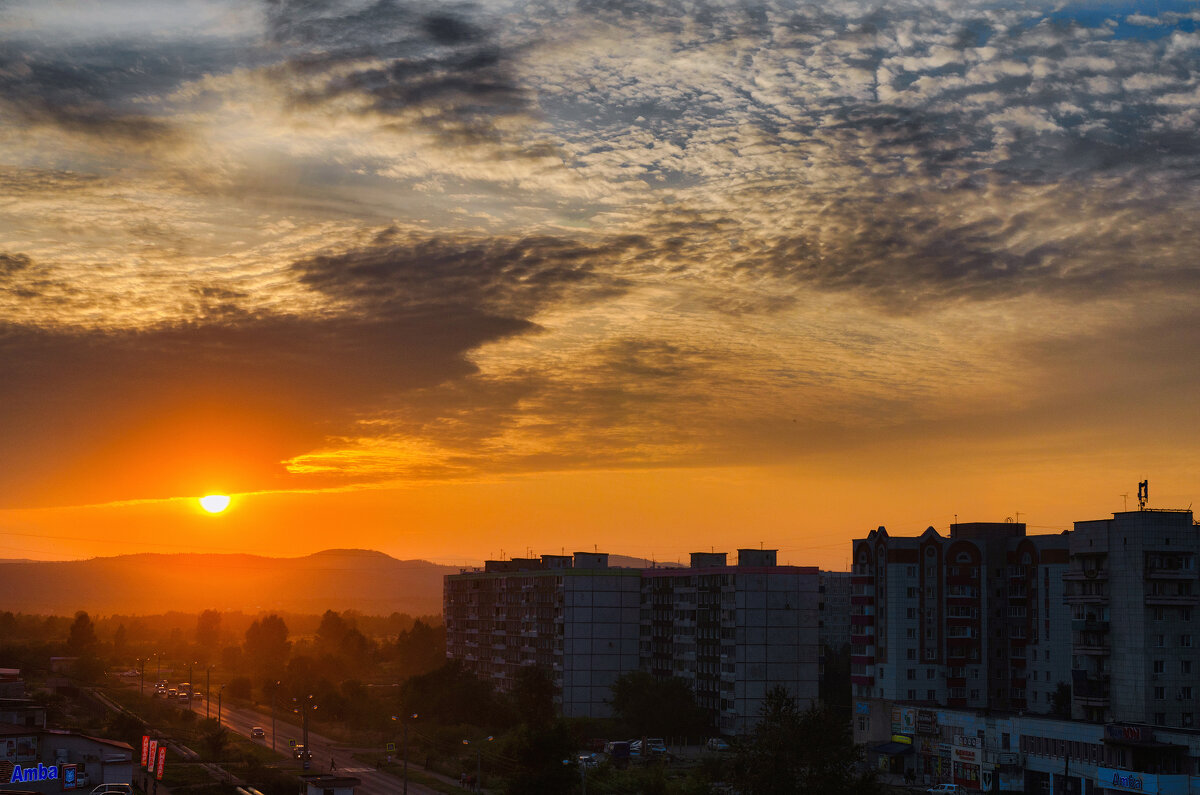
[911, 593]
[1160, 693]
[911, 633]
[1185, 641]
[1159, 641]
[1185, 719]
[910, 654]
[1185, 666]
[1185, 614]
[912, 695]
[1160, 614]
[930, 673]
[975, 694]
[864, 723]
[1160, 666]
[1186, 693]
[910, 571]
[1160, 718]
[912, 673]
[931, 695]
[910, 613]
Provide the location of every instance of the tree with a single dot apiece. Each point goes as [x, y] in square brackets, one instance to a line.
[216, 737]
[538, 755]
[664, 707]
[1060, 701]
[267, 645]
[82, 637]
[791, 751]
[208, 633]
[533, 695]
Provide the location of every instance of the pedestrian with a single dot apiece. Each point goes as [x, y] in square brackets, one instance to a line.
[332, 764]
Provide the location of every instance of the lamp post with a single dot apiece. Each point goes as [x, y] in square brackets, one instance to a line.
[191, 696]
[157, 667]
[305, 708]
[141, 663]
[274, 693]
[405, 723]
[479, 759]
[582, 776]
[208, 691]
[220, 692]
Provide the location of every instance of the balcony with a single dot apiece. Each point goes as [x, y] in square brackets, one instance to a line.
[1085, 575]
[1088, 625]
[1172, 599]
[1086, 599]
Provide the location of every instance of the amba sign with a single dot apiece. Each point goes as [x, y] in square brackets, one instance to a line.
[31, 774]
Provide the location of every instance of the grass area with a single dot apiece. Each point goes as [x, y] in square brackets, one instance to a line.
[417, 776]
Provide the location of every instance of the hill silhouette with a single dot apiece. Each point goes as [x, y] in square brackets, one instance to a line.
[150, 583]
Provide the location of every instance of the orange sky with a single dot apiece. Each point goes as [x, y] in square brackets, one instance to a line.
[452, 283]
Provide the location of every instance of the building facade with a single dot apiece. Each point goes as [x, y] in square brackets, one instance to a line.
[571, 616]
[1134, 590]
[976, 619]
[35, 759]
[731, 632]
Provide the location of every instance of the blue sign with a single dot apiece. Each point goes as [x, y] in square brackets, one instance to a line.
[31, 774]
[1126, 781]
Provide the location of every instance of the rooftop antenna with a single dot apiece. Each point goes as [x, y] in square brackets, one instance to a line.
[760, 545]
[595, 548]
[1125, 500]
[1143, 494]
[1018, 517]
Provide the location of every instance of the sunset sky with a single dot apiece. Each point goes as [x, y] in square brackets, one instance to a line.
[457, 280]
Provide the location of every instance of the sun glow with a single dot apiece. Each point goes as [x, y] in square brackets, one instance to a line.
[214, 503]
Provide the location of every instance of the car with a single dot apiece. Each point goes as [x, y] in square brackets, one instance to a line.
[258, 732]
[656, 746]
[589, 760]
[945, 789]
[299, 752]
[717, 744]
[113, 789]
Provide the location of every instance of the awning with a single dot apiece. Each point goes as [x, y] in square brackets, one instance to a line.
[893, 749]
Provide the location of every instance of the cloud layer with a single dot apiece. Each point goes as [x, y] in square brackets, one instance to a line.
[392, 240]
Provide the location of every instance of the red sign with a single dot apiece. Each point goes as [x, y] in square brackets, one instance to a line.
[152, 753]
[145, 748]
[162, 761]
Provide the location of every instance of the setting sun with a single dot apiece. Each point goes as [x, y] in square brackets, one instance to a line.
[214, 503]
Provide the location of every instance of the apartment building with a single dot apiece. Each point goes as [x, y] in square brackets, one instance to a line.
[732, 632]
[572, 616]
[1133, 589]
[973, 620]
[834, 609]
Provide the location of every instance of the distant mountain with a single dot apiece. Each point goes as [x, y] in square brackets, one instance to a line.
[339, 579]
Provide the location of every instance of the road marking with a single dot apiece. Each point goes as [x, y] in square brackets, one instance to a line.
[357, 770]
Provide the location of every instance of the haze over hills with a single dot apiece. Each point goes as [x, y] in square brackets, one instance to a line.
[370, 582]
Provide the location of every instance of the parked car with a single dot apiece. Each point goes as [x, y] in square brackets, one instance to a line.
[258, 732]
[113, 789]
[589, 760]
[945, 789]
[656, 746]
[717, 744]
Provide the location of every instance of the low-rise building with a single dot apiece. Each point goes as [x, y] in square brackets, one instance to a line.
[54, 760]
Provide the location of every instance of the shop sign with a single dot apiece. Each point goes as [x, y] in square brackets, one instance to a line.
[926, 722]
[162, 762]
[862, 708]
[965, 755]
[1124, 781]
[31, 774]
[20, 749]
[901, 738]
[145, 748]
[1134, 733]
[908, 720]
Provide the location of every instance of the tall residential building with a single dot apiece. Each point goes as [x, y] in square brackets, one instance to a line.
[834, 609]
[973, 620]
[1133, 591]
[733, 632]
[573, 617]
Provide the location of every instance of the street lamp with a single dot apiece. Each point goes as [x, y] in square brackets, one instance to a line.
[305, 709]
[582, 775]
[191, 696]
[220, 692]
[141, 663]
[405, 723]
[207, 691]
[274, 693]
[479, 759]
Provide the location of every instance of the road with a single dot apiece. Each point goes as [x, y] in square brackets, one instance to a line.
[242, 720]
